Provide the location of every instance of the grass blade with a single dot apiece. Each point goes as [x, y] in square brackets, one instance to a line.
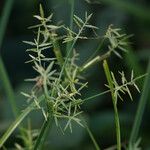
[141, 108]
[16, 123]
[8, 88]
[3, 74]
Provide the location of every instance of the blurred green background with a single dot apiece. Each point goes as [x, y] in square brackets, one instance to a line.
[132, 16]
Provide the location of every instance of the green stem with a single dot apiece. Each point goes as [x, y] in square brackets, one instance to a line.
[72, 13]
[14, 125]
[92, 138]
[114, 100]
[95, 60]
[98, 48]
[47, 123]
[105, 92]
[96, 95]
[69, 52]
[72, 3]
[43, 134]
[141, 108]
[117, 122]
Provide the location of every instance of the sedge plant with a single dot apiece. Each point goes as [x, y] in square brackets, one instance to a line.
[59, 80]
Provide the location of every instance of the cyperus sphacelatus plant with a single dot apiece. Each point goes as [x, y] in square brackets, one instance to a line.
[59, 81]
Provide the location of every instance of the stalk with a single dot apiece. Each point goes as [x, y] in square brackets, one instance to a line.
[69, 52]
[92, 138]
[72, 13]
[97, 49]
[72, 3]
[114, 100]
[47, 122]
[43, 134]
[95, 60]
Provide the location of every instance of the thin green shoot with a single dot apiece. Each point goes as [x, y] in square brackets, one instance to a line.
[114, 100]
[92, 138]
[141, 108]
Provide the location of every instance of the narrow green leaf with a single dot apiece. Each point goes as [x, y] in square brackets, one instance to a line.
[16, 123]
[91, 26]
[29, 43]
[79, 19]
[41, 11]
[141, 108]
